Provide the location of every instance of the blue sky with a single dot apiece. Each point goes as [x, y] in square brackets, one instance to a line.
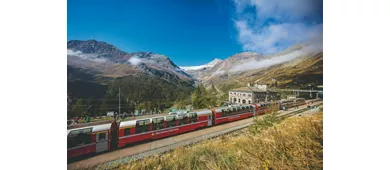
[193, 32]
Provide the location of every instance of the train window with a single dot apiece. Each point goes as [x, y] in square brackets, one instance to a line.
[240, 110]
[170, 121]
[230, 111]
[250, 108]
[127, 132]
[142, 126]
[244, 108]
[101, 136]
[233, 112]
[182, 119]
[224, 112]
[193, 117]
[158, 123]
[79, 137]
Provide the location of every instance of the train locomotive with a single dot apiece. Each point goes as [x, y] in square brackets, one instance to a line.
[100, 138]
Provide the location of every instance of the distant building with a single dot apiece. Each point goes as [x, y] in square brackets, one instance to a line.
[111, 113]
[252, 94]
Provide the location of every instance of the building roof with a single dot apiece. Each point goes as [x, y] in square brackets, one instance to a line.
[248, 89]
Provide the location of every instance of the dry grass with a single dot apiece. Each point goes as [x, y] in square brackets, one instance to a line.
[295, 143]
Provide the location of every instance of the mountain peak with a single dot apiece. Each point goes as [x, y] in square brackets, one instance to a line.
[108, 59]
[207, 65]
[214, 62]
[94, 46]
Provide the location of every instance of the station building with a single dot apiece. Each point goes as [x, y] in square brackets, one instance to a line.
[252, 94]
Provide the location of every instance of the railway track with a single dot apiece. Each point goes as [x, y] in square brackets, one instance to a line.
[163, 145]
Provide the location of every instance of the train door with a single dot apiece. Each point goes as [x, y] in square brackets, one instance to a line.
[114, 136]
[210, 120]
[253, 108]
[101, 141]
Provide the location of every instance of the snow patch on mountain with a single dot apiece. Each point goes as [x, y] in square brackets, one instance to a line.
[210, 64]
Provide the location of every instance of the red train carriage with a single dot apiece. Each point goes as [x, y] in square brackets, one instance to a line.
[262, 108]
[288, 103]
[99, 138]
[299, 101]
[163, 126]
[91, 139]
[232, 113]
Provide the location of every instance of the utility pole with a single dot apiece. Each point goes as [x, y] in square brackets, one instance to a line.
[119, 101]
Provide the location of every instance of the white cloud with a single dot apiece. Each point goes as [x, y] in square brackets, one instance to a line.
[75, 53]
[306, 50]
[274, 37]
[134, 60]
[281, 9]
[218, 72]
[274, 25]
[82, 55]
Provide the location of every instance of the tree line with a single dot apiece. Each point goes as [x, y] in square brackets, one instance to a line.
[150, 94]
[137, 92]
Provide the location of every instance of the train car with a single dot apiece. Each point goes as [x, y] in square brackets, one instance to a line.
[232, 113]
[162, 126]
[262, 108]
[90, 139]
[288, 103]
[300, 101]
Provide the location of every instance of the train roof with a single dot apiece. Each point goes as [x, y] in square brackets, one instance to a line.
[203, 112]
[96, 128]
[133, 122]
[90, 124]
[219, 109]
[128, 123]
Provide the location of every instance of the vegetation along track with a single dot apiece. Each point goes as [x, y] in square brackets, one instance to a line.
[167, 144]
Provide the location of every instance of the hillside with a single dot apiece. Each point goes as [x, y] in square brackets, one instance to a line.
[94, 67]
[297, 73]
[295, 67]
[147, 80]
[108, 61]
[295, 143]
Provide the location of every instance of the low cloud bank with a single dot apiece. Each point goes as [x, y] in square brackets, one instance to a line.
[306, 50]
[82, 55]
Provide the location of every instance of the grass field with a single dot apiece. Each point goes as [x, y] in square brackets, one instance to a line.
[294, 143]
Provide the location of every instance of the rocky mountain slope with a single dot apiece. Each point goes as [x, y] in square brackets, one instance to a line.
[297, 73]
[96, 70]
[109, 61]
[295, 66]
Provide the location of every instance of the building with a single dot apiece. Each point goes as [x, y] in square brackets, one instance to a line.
[252, 94]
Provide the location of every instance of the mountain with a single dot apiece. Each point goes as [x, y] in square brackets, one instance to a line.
[241, 63]
[148, 80]
[296, 73]
[110, 61]
[200, 67]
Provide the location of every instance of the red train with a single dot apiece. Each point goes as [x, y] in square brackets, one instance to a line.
[100, 138]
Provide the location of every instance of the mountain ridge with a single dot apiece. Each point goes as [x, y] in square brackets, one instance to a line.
[113, 62]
